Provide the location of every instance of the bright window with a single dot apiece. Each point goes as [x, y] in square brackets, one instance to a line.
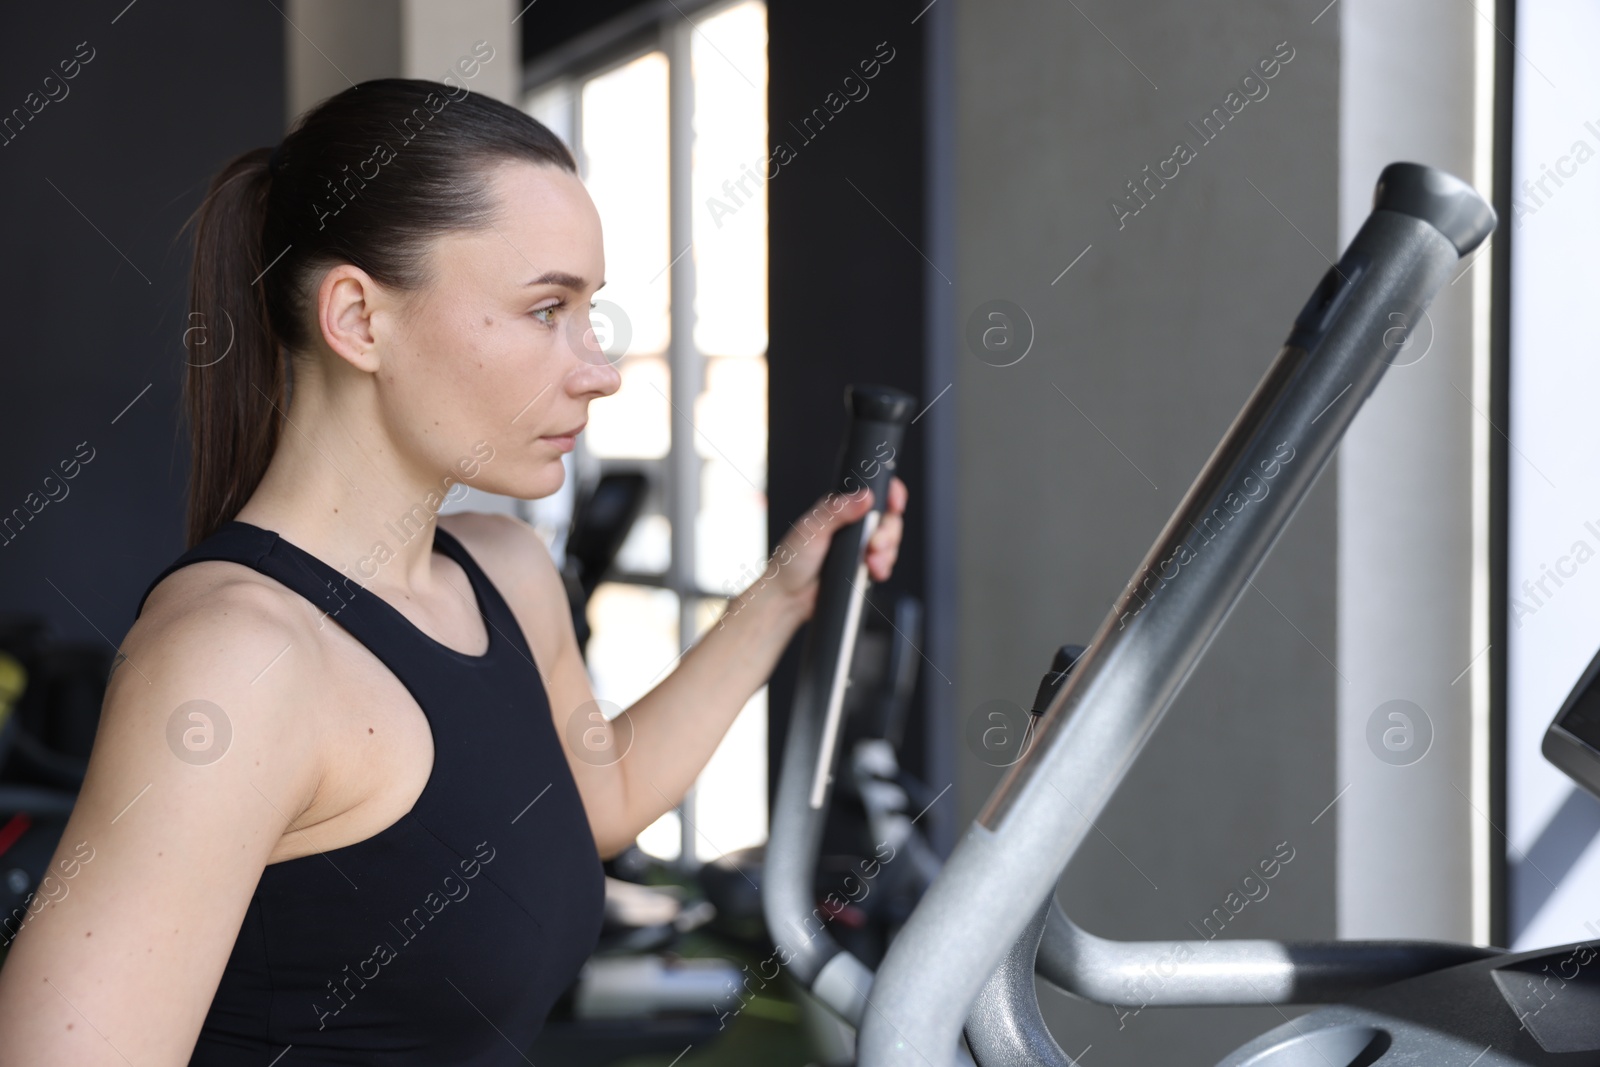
[684, 314]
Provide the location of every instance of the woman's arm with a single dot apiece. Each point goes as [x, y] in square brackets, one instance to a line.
[117, 958]
[677, 725]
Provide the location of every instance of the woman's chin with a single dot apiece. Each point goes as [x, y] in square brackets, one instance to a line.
[546, 480]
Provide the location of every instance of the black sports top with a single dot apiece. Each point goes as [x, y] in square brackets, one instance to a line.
[446, 937]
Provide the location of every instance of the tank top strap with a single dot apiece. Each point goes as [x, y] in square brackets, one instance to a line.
[369, 618]
[497, 613]
[252, 546]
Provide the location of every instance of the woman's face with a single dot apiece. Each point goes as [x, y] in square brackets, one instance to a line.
[490, 371]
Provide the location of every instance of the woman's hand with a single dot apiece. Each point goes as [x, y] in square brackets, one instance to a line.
[796, 563]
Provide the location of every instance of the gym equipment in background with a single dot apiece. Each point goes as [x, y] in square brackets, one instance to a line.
[601, 520]
[796, 924]
[877, 802]
[50, 697]
[1537, 1007]
[1572, 741]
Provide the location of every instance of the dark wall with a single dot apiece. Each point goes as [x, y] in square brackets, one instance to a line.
[846, 274]
[555, 22]
[93, 191]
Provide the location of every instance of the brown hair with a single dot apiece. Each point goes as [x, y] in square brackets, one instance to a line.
[367, 177]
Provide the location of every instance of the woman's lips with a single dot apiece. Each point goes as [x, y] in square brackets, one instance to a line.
[565, 442]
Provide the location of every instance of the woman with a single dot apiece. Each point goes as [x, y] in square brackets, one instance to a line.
[344, 805]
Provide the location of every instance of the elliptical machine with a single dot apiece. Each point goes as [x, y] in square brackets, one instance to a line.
[964, 963]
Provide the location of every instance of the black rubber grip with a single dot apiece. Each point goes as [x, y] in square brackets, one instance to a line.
[870, 451]
[1442, 200]
[867, 459]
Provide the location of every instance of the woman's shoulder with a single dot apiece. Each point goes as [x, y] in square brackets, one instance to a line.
[509, 550]
[220, 632]
[515, 558]
[216, 693]
[216, 602]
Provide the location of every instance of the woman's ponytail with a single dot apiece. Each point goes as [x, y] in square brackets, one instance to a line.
[236, 378]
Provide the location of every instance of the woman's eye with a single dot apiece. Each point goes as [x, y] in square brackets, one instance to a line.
[546, 316]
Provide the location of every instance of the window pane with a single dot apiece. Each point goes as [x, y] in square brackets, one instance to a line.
[648, 546]
[635, 422]
[663, 838]
[634, 645]
[625, 167]
[731, 415]
[729, 60]
[730, 531]
[730, 796]
[634, 642]
[731, 527]
[552, 105]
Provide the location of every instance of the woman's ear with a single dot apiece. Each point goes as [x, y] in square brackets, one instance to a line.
[347, 301]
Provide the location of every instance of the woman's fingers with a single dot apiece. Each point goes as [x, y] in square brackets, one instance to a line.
[891, 525]
[886, 538]
[884, 547]
[898, 494]
[840, 509]
[847, 507]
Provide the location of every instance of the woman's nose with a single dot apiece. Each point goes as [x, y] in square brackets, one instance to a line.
[595, 373]
[597, 344]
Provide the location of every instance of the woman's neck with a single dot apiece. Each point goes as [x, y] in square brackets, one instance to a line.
[339, 488]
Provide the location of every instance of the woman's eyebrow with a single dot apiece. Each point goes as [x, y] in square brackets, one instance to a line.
[557, 277]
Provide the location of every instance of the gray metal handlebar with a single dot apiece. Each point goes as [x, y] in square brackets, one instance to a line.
[1007, 864]
[1007, 1029]
[1139, 974]
[797, 925]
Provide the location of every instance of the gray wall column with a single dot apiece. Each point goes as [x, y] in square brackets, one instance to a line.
[1149, 330]
[330, 46]
[1413, 814]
